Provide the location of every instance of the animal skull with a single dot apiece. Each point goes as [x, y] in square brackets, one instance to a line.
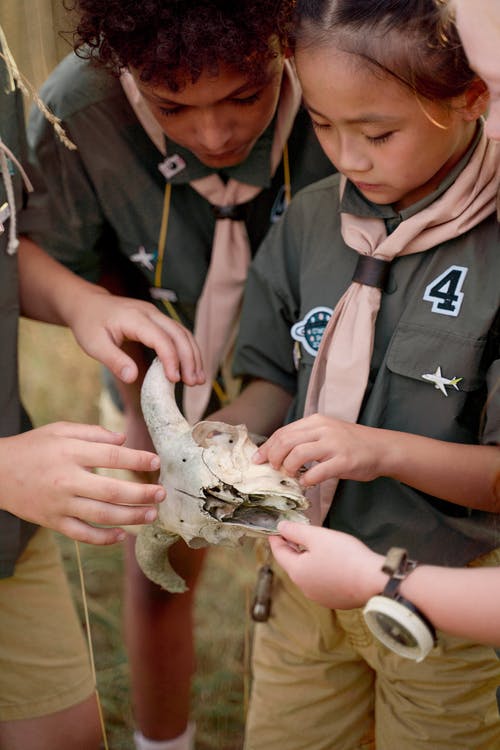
[215, 494]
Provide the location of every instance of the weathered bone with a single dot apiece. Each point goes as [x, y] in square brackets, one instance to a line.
[215, 494]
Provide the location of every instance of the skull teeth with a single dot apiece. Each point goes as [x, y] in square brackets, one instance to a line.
[227, 505]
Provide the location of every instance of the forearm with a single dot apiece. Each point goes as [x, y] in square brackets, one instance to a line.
[262, 407]
[459, 601]
[340, 572]
[462, 474]
[462, 602]
[48, 291]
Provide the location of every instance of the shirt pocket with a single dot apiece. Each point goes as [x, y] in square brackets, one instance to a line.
[417, 350]
[433, 375]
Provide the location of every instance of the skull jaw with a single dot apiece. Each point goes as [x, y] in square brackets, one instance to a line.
[200, 526]
[220, 514]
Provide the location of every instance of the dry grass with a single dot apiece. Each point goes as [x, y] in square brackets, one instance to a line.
[59, 382]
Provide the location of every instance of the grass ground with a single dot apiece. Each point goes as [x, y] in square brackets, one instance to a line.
[59, 382]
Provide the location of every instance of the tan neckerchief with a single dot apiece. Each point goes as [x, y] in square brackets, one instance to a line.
[340, 373]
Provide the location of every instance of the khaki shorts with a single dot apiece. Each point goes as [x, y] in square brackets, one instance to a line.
[44, 663]
[321, 681]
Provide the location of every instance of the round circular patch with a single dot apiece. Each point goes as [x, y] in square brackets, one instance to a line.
[309, 331]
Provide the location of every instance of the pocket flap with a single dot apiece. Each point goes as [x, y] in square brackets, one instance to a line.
[416, 351]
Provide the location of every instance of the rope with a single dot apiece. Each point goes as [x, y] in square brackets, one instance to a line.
[90, 645]
[286, 175]
[15, 77]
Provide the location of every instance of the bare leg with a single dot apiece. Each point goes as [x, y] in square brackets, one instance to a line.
[77, 728]
[160, 642]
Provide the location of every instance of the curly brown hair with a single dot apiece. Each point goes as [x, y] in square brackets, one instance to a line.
[174, 41]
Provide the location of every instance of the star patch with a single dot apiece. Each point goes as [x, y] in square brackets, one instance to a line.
[309, 331]
[440, 382]
[144, 259]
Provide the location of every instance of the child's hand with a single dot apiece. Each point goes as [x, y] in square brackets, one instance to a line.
[47, 479]
[335, 448]
[103, 322]
[333, 568]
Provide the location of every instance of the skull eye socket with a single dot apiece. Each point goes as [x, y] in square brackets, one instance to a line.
[215, 434]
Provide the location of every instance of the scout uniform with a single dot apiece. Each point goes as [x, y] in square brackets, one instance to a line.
[107, 199]
[439, 318]
[43, 656]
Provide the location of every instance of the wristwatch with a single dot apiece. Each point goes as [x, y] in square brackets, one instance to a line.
[394, 620]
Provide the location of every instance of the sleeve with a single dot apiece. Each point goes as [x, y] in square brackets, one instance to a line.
[264, 348]
[63, 214]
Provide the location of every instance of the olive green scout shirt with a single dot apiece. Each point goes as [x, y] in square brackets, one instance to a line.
[14, 533]
[440, 309]
[105, 200]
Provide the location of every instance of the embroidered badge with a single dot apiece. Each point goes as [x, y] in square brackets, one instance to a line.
[144, 259]
[440, 382]
[445, 291]
[279, 206]
[171, 166]
[309, 331]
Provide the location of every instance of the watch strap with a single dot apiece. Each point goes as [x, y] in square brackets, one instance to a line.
[398, 566]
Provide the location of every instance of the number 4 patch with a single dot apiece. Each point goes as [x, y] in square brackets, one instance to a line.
[445, 291]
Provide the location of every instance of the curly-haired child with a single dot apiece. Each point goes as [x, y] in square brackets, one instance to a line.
[191, 140]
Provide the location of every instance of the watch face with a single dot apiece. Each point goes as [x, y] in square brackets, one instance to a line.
[396, 631]
[398, 627]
